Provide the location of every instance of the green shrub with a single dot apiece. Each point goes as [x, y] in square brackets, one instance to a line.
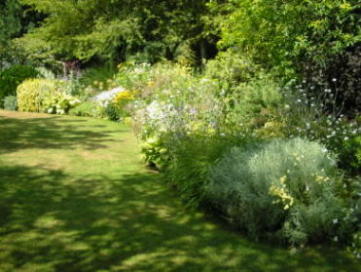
[112, 112]
[12, 77]
[155, 152]
[188, 163]
[350, 155]
[285, 187]
[231, 68]
[10, 103]
[44, 95]
[88, 109]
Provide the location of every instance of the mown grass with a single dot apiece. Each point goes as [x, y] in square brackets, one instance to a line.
[75, 196]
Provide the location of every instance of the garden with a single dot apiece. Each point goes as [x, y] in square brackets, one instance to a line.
[180, 136]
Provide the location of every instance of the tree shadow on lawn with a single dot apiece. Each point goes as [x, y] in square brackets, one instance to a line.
[50, 222]
[52, 133]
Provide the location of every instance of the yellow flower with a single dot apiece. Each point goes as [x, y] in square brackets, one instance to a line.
[283, 196]
[123, 97]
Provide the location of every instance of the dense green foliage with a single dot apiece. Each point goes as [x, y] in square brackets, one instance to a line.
[15, 20]
[10, 78]
[9, 27]
[308, 39]
[113, 30]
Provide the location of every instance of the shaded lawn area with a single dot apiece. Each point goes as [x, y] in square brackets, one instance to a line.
[74, 196]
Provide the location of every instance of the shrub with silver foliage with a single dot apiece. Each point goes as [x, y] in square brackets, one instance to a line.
[282, 186]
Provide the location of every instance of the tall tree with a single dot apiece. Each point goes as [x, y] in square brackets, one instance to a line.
[84, 29]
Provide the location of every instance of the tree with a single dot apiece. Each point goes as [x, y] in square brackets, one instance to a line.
[317, 40]
[15, 20]
[113, 30]
[10, 25]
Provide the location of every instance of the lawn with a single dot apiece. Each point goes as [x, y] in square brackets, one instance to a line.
[75, 196]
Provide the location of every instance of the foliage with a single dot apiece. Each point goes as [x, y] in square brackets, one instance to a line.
[231, 68]
[10, 103]
[116, 109]
[10, 78]
[44, 95]
[117, 29]
[15, 20]
[187, 121]
[88, 109]
[318, 118]
[9, 26]
[98, 77]
[285, 186]
[298, 38]
[111, 112]
[45, 73]
[277, 32]
[350, 155]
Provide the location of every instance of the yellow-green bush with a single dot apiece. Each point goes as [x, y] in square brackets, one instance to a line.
[32, 93]
[44, 95]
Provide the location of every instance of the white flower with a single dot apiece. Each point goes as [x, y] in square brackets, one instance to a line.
[335, 239]
[334, 79]
[335, 221]
[346, 138]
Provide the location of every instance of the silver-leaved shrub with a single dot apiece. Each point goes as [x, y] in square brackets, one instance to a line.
[283, 187]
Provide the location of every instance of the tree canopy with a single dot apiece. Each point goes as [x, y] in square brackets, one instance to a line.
[115, 29]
